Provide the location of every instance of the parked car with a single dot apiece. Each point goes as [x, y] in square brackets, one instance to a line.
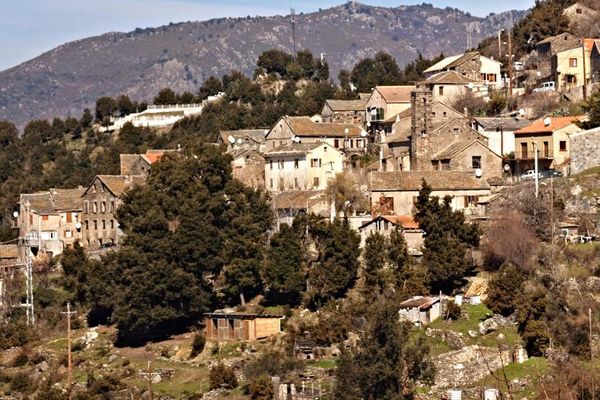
[550, 173]
[529, 175]
[518, 66]
[545, 87]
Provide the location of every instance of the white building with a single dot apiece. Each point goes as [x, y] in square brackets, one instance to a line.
[500, 132]
[302, 166]
[472, 65]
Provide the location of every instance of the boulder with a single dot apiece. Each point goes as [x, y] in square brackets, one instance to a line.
[493, 323]
[472, 334]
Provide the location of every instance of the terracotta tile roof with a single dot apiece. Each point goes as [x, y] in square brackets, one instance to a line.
[153, 156]
[118, 184]
[506, 123]
[347, 105]
[9, 251]
[419, 302]
[395, 94]
[590, 43]
[438, 180]
[305, 127]
[449, 78]
[294, 148]
[404, 221]
[539, 126]
[67, 199]
[297, 199]
[40, 202]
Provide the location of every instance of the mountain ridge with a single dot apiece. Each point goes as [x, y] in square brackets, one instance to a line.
[64, 80]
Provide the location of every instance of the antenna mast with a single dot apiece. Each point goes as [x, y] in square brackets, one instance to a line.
[293, 21]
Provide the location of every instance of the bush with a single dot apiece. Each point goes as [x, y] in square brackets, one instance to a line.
[222, 376]
[21, 359]
[198, 344]
[261, 389]
[272, 364]
[505, 291]
[22, 382]
[453, 310]
[15, 334]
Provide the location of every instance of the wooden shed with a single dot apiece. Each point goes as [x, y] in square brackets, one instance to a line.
[239, 326]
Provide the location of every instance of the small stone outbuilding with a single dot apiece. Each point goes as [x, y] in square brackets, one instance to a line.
[420, 310]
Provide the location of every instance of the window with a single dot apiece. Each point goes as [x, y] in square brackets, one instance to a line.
[523, 150]
[572, 62]
[296, 183]
[44, 218]
[271, 183]
[444, 113]
[445, 165]
[562, 145]
[112, 206]
[68, 233]
[476, 162]
[103, 207]
[86, 208]
[316, 181]
[95, 225]
[280, 164]
[270, 164]
[471, 201]
[87, 225]
[296, 163]
[53, 235]
[570, 79]
[103, 224]
[336, 143]
[69, 218]
[280, 183]
[456, 131]
[315, 162]
[386, 225]
[578, 11]
[546, 150]
[491, 77]
[441, 90]
[94, 207]
[112, 224]
[325, 149]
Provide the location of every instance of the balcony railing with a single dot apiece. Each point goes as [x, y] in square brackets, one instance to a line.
[530, 155]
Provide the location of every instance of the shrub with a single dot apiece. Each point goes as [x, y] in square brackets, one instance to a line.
[504, 291]
[222, 376]
[22, 382]
[261, 389]
[198, 344]
[21, 359]
[453, 311]
[271, 363]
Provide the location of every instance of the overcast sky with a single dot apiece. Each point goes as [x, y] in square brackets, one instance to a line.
[30, 27]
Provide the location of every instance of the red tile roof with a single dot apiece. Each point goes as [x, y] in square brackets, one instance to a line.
[539, 126]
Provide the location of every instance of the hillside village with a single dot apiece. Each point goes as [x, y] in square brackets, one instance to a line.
[427, 232]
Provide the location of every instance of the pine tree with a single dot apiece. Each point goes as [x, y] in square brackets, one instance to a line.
[375, 261]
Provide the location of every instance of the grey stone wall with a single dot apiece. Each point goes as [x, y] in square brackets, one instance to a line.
[585, 150]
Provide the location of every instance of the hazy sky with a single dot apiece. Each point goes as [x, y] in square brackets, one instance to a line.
[30, 27]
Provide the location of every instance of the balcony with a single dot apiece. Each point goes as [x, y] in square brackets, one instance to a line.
[530, 155]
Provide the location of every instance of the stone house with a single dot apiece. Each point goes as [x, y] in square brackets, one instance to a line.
[349, 138]
[420, 310]
[287, 205]
[580, 15]
[500, 132]
[302, 166]
[551, 137]
[385, 103]
[568, 66]
[585, 148]
[395, 193]
[241, 326]
[139, 164]
[100, 202]
[434, 138]
[248, 166]
[551, 45]
[51, 218]
[448, 86]
[385, 224]
[243, 139]
[471, 65]
[345, 111]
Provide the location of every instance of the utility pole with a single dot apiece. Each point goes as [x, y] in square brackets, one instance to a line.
[149, 375]
[592, 356]
[68, 314]
[584, 70]
[510, 64]
[537, 177]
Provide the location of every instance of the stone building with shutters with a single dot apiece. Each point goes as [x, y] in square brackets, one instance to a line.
[241, 326]
[345, 111]
[100, 202]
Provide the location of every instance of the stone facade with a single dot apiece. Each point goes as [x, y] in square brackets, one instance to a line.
[549, 47]
[345, 112]
[585, 147]
[248, 166]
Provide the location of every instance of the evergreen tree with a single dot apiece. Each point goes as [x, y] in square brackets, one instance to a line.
[371, 72]
[592, 106]
[274, 61]
[375, 260]
[447, 238]
[283, 268]
[398, 256]
[322, 71]
[8, 134]
[86, 118]
[105, 107]
[387, 362]
[210, 87]
[165, 96]
[504, 290]
[307, 63]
